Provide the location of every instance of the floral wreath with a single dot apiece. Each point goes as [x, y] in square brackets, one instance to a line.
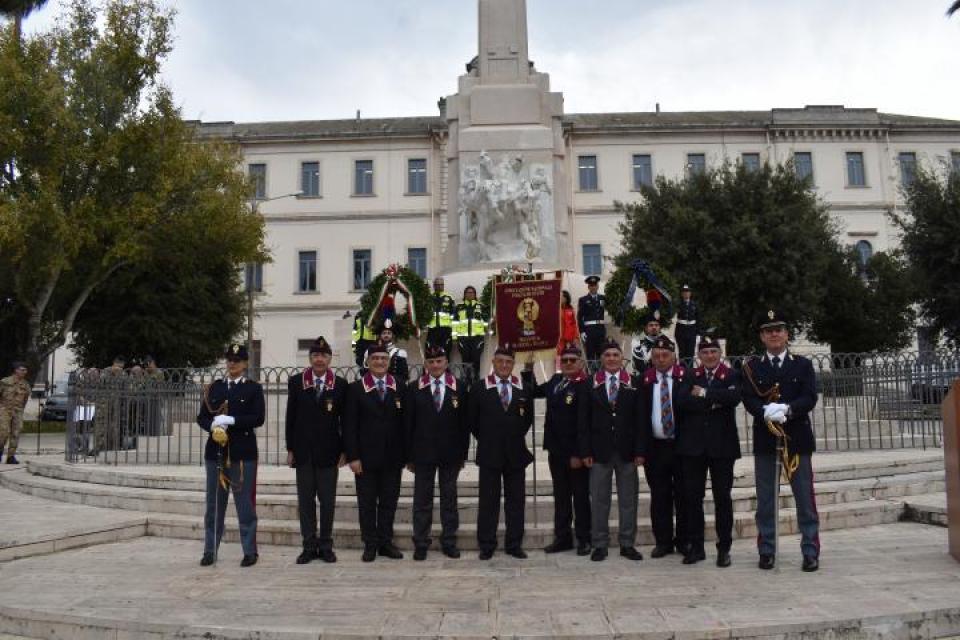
[379, 302]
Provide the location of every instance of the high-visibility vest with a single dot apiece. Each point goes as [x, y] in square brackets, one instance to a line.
[444, 311]
[471, 320]
[361, 331]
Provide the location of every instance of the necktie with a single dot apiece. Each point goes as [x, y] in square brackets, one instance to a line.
[776, 362]
[505, 394]
[437, 398]
[709, 376]
[557, 390]
[381, 390]
[231, 385]
[666, 408]
[614, 390]
[319, 391]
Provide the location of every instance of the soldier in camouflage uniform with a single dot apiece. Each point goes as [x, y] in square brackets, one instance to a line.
[14, 393]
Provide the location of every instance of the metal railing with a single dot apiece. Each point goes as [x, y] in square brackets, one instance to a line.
[866, 401]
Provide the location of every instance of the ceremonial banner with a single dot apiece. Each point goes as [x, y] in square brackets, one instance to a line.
[528, 314]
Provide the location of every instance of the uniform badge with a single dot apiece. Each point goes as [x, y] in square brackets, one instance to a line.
[522, 411]
[330, 405]
[771, 314]
[569, 398]
[454, 401]
[398, 404]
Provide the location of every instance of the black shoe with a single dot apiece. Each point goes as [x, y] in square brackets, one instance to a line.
[327, 555]
[767, 561]
[390, 550]
[307, 556]
[599, 554]
[517, 553]
[451, 552]
[661, 550]
[420, 553]
[693, 556]
[207, 560]
[486, 554]
[630, 553]
[369, 554]
[558, 547]
[810, 563]
[723, 559]
[12, 460]
[583, 548]
[249, 561]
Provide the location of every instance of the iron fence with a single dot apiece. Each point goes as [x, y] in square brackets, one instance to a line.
[866, 401]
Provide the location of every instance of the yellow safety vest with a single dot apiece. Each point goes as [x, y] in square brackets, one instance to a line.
[361, 331]
[471, 320]
[444, 310]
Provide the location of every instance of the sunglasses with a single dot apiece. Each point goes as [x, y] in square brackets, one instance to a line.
[569, 360]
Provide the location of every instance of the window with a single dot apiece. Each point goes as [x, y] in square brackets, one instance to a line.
[310, 179]
[588, 173]
[955, 160]
[642, 171]
[363, 178]
[592, 260]
[696, 164]
[856, 177]
[361, 268]
[417, 175]
[253, 277]
[417, 261]
[751, 161]
[803, 165]
[258, 176]
[908, 168]
[308, 271]
[864, 252]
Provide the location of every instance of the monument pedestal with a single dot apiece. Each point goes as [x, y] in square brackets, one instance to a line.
[951, 452]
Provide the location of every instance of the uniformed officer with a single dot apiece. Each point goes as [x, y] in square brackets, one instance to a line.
[373, 441]
[642, 347]
[230, 411]
[571, 479]
[663, 384]
[437, 437]
[778, 372]
[611, 444]
[398, 366]
[470, 329]
[688, 318]
[361, 337]
[314, 430]
[440, 328]
[708, 440]
[501, 414]
[590, 318]
[14, 394]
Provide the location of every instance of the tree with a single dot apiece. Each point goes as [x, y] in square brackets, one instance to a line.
[954, 8]
[19, 10]
[745, 241]
[98, 172]
[867, 307]
[930, 226]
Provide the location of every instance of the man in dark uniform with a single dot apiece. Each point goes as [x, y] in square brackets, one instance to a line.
[470, 329]
[501, 414]
[315, 403]
[611, 443]
[643, 346]
[440, 328]
[373, 443]
[688, 318]
[437, 440]
[781, 388]
[231, 409]
[398, 366]
[708, 440]
[590, 318]
[362, 336]
[571, 479]
[663, 384]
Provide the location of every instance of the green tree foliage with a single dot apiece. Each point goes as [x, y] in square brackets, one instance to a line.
[744, 240]
[930, 228]
[98, 172]
[18, 10]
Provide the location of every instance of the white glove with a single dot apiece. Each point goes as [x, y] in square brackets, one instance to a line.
[778, 417]
[768, 410]
[583, 338]
[220, 421]
[781, 408]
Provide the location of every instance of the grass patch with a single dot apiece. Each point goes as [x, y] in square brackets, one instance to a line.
[46, 426]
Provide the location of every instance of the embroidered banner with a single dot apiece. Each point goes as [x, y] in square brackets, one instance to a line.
[528, 314]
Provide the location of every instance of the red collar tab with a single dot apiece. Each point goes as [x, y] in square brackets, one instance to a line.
[370, 383]
[329, 380]
[448, 380]
[600, 378]
[720, 373]
[491, 382]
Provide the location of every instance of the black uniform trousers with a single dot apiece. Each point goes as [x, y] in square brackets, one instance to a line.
[513, 482]
[686, 342]
[471, 352]
[360, 350]
[316, 484]
[694, 472]
[423, 483]
[378, 491]
[571, 499]
[596, 336]
[665, 478]
[441, 336]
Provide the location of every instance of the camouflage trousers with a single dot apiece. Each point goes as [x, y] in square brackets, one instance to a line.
[11, 423]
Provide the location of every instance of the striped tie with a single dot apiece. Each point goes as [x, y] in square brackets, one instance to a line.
[666, 409]
[437, 398]
[614, 389]
[505, 394]
[381, 390]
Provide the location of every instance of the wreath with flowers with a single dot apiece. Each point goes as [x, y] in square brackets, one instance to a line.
[380, 301]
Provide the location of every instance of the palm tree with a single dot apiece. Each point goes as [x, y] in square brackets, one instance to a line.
[18, 10]
[954, 8]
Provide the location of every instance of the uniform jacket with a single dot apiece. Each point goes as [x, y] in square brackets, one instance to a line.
[436, 438]
[798, 388]
[373, 430]
[501, 435]
[604, 428]
[589, 309]
[709, 424]
[681, 387]
[688, 311]
[315, 424]
[563, 411]
[14, 393]
[246, 404]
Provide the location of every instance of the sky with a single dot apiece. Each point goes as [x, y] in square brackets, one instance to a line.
[246, 60]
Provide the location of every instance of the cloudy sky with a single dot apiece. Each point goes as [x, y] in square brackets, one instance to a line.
[247, 60]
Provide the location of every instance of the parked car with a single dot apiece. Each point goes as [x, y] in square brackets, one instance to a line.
[56, 405]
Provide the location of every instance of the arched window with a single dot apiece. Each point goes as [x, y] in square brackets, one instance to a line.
[865, 251]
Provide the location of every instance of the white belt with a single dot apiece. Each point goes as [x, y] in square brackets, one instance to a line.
[686, 322]
[590, 323]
